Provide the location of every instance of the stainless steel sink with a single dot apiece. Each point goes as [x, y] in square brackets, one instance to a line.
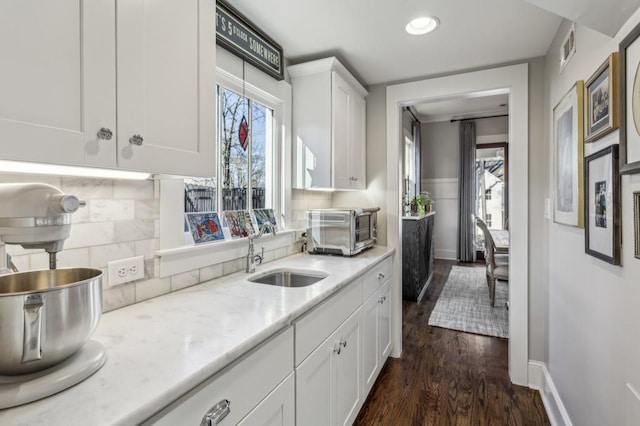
[289, 277]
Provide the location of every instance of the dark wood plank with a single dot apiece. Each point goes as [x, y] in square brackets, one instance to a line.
[446, 377]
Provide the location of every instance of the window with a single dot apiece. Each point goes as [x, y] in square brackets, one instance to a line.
[246, 153]
[488, 217]
[487, 194]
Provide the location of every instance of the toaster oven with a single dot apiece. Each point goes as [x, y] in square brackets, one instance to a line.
[344, 232]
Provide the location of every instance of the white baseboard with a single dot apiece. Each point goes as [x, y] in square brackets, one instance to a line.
[540, 379]
[446, 254]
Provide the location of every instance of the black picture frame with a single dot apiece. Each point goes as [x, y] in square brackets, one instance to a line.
[590, 220]
[626, 128]
[258, 35]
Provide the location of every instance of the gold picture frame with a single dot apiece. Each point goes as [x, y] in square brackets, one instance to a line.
[568, 157]
[601, 100]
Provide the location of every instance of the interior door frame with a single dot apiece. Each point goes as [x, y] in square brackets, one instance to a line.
[514, 81]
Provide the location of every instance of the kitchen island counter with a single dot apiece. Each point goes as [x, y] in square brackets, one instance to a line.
[160, 349]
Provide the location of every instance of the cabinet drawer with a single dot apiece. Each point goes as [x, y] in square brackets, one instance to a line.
[316, 326]
[244, 384]
[376, 276]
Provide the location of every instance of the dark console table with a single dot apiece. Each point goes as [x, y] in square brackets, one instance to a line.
[417, 255]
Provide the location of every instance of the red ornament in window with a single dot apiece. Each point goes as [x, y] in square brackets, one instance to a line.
[243, 132]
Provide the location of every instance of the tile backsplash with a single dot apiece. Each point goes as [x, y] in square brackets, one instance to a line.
[121, 220]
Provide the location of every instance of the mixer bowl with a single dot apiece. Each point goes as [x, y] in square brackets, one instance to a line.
[46, 316]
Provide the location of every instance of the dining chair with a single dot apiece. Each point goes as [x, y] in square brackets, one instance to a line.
[497, 265]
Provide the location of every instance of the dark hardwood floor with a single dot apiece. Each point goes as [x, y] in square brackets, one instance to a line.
[446, 377]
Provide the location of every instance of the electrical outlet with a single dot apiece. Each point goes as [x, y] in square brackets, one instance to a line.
[125, 270]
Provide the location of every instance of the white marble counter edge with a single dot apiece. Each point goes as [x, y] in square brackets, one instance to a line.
[222, 361]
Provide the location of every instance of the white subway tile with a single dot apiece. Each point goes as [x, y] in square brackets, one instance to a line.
[149, 269]
[133, 189]
[23, 263]
[118, 297]
[152, 288]
[232, 266]
[210, 272]
[28, 177]
[147, 248]
[73, 258]
[134, 230]
[185, 279]
[90, 234]
[147, 209]
[99, 256]
[111, 210]
[87, 188]
[281, 252]
[269, 256]
[81, 215]
[39, 260]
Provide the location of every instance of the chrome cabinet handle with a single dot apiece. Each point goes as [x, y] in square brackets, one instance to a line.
[382, 299]
[217, 413]
[136, 140]
[343, 343]
[105, 134]
[336, 349]
[380, 275]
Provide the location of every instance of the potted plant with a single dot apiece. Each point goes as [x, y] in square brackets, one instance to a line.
[427, 201]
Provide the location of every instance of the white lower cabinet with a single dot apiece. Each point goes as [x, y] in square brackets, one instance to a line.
[229, 396]
[329, 387]
[376, 325]
[277, 409]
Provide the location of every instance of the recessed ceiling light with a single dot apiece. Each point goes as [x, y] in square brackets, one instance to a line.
[422, 25]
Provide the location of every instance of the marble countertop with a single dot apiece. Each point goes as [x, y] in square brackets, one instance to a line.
[159, 349]
[418, 217]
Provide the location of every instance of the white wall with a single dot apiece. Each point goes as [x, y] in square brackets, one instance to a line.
[593, 311]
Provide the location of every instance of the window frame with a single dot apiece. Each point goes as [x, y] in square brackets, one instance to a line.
[177, 253]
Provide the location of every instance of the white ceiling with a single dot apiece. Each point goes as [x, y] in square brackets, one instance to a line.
[368, 35]
[458, 108]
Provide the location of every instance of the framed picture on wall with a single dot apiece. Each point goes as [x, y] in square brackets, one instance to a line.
[636, 224]
[601, 100]
[568, 158]
[568, 47]
[602, 200]
[630, 103]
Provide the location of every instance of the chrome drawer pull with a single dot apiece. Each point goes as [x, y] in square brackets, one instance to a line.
[217, 413]
[136, 140]
[105, 134]
[336, 349]
[380, 275]
[343, 343]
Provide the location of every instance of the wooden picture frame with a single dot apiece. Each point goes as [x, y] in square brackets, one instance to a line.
[636, 224]
[568, 47]
[568, 157]
[601, 100]
[603, 230]
[629, 77]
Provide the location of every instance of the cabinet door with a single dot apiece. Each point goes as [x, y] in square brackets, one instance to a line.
[57, 81]
[315, 387]
[277, 409]
[385, 322]
[357, 146]
[166, 86]
[348, 371]
[371, 336]
[341, 94]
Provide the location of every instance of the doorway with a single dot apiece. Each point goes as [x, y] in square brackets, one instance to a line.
[512, 80]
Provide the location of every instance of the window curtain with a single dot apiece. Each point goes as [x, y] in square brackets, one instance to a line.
[417, 142]
[466, 191]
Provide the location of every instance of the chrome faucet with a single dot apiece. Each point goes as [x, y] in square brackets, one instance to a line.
[253, 259]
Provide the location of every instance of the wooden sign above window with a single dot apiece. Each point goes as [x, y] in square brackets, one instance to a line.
[241, 37]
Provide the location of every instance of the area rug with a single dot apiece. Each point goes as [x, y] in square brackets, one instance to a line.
[464, 304]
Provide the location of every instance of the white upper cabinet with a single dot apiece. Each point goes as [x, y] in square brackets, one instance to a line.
[166, 86]
[329, 114]
[58, 81]
[79, 81]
